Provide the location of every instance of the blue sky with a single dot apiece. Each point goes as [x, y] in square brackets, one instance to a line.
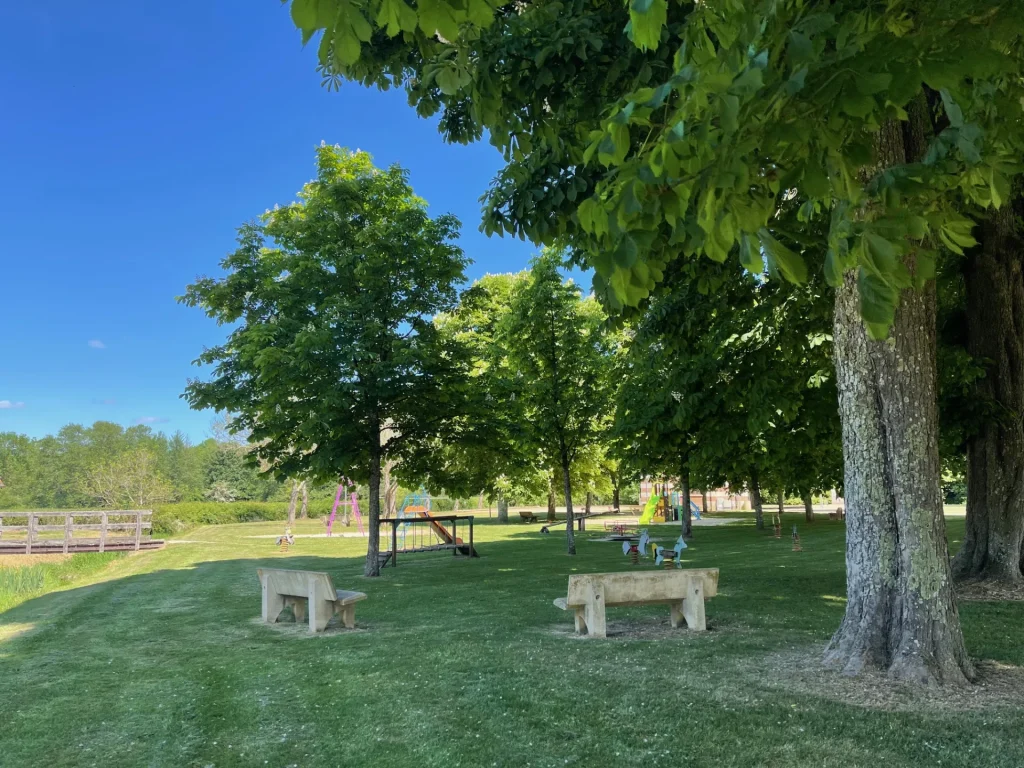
[134, 138]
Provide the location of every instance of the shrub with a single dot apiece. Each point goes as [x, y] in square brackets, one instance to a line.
[174, 518]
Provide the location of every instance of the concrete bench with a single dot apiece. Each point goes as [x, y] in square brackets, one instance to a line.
[683, 591]
[306, 591]
[527, 516]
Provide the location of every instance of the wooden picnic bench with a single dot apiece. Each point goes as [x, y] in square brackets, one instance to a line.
[682, 590]
[527, 516]
[306, 591]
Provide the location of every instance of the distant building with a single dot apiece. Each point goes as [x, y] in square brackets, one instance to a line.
[718, 498]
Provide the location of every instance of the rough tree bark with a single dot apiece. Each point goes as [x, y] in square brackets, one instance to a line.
[304, 511]
[292, 502]
[808, 507]
[570, 536]
[704, 501]
[372, 567]
[992, 546]
[551, 499]
[782, 504]
[615, 498]
[901, 616]
[684, 491]
[586, 506]
[755, 500]
[502, 508]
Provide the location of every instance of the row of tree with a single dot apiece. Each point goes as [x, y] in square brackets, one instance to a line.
[877, 141]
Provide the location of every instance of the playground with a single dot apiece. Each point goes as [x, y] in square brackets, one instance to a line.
[162, 660]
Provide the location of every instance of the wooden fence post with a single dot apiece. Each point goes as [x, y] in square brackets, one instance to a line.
[30, 533]
[103, 531]
[68, 530]
[138, 530]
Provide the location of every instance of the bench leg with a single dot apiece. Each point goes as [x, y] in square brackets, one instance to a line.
[348, 615]
[693, 608]
[676, 613]
[298, 606]
[320, 612]
[580, 620]
[593, 613]
[273, 604]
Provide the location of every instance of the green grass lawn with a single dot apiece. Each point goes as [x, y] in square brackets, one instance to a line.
[159, 659]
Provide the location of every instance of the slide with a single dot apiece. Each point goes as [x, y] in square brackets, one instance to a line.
[649, 509]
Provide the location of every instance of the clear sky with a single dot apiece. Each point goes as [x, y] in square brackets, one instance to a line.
[134, 138]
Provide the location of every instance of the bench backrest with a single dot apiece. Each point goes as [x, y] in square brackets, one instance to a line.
[297, 583]
[638, 587]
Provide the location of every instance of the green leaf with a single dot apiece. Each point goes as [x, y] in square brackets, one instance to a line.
[878, 302]
[646, 19]
[870, 83]
[789, 264]
[796, 81]
[346, 45]
[437, 16]
[750, 255]
[953, 111]
[304, 13]
[730, 113]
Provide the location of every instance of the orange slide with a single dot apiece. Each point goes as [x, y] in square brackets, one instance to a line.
[439, 529]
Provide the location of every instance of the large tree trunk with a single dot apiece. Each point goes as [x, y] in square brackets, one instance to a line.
[551, 498]
[615, 497]
[782, 504]
[995, 453]
[502, 508]
[808, 507]
[292, 502]
[755, 500]
[372, 567]
[684, 491]
[586, 505]
[570, 535]
[901, 615]
[304, 511]
[704, 501]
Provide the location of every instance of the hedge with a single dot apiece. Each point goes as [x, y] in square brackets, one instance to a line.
[174, 518]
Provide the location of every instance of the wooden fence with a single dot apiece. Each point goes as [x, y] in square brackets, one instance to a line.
[35, 532]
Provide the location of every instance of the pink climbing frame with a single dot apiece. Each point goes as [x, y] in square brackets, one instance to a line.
[353, 503]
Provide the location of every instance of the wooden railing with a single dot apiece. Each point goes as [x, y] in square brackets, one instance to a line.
[115, 529]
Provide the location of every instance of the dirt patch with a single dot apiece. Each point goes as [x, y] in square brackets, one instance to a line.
[21, 561]
[287, 626]
[652, 628]
[998, 686]
[990, 591]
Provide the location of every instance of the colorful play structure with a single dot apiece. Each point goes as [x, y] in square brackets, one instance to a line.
[417, 529]
[660, 505]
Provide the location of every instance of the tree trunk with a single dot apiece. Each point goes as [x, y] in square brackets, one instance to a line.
[304, 511]
[808, 507]
[684, 491]
[390, 490]
[615, 498]
[901, 616]
[372, 567]
[551, 498]
[782, 504]
[570, 535]
[995, 452]
[291, 503]
[755, 500]
[586, 505]
[502, 508]
[704, 502]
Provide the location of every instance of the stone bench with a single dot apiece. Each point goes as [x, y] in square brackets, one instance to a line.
[527, 516]
[305, 592]
[683, 591]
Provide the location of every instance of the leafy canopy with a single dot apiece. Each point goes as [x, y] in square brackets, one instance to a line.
[649, 130]
[331, 301]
